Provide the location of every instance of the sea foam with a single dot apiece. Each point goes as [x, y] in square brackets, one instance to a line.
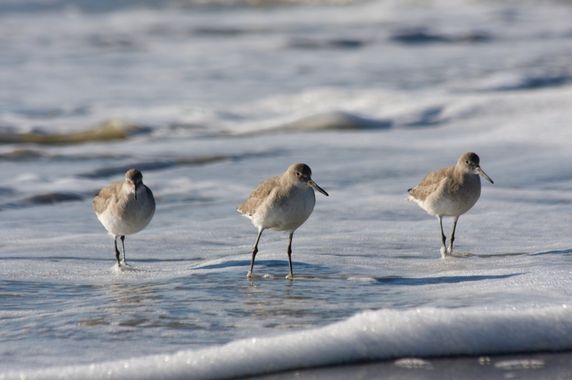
[367, 336]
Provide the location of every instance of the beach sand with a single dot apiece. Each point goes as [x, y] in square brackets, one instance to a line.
[525, 366]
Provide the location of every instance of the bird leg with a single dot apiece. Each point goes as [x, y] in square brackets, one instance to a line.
[123, 245]
[453, 236]
[443, 239]
[254, 252]
[290, 272]
[117, 253]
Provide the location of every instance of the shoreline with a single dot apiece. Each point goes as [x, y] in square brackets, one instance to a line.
[546, 365]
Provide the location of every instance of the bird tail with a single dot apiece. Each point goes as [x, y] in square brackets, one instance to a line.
[410, 196]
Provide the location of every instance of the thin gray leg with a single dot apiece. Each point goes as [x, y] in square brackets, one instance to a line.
[254, 252]
[443, 239]
[123, 245]
[290, 272]
[453, 235]
[117, 253]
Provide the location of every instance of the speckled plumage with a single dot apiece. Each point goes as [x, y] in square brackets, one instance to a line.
[450, 191]
[281, 203]
[124, 208]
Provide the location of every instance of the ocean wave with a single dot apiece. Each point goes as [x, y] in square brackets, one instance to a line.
[105, 131]
[524, 81]
[48, 198]
[348, 121]
[367, 336]
[87, 6]
[28, 154]
[331, 43]
[162, 164]
[422, 35]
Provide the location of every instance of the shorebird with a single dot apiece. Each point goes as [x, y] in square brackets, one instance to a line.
[281, 203]
[124, 208]
[451, 191]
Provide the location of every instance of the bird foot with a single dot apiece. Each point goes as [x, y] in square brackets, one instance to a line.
[444, 252]
[249, 275]
[290, 276]
[123, 267]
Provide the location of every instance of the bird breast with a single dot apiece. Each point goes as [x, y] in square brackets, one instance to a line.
[286, 211]
[456, 198]
[129, 215]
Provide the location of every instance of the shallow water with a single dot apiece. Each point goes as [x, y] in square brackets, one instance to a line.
[209, 100]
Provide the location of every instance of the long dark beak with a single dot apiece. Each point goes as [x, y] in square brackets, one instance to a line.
[482, 173]
[315, 186]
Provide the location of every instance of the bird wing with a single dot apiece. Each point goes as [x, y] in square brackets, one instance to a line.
[150, 197]
[258, 196]
[103, 198]
[429, 184]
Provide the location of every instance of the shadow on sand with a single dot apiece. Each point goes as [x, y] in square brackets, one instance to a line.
[553, 252]
[410, 281]
[508, 254]
[258, 263]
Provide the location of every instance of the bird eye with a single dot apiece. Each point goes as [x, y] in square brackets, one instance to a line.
[298, 174]
[467, 162]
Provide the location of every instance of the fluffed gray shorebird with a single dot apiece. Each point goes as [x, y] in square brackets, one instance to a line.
[281, 203]
[451, 191]
[124, 208]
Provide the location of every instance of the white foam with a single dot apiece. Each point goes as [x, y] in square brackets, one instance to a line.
[413, 363]
[523, 364]
[370, 335]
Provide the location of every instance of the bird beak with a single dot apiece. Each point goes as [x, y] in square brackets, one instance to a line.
[136, 187]
[315, 186]
[482, 173]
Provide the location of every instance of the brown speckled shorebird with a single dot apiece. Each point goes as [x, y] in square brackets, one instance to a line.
[124, 208]
[451, 191]
[281, 203]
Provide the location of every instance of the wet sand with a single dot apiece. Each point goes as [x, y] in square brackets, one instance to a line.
[526, 366]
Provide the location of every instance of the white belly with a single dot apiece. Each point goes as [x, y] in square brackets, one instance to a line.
[444, 203]
[135, 217]
[287, 215]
